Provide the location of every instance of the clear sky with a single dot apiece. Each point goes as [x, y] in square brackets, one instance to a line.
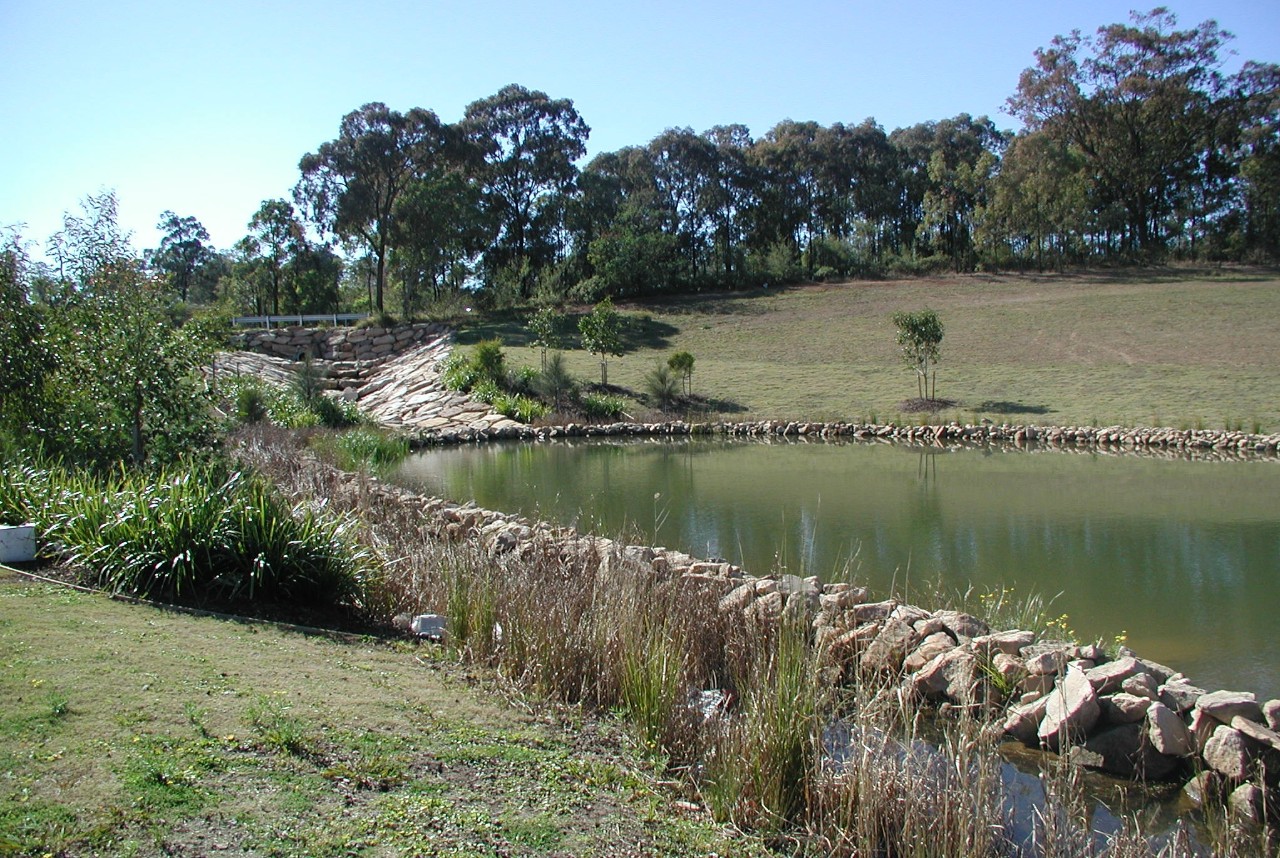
[205, 108]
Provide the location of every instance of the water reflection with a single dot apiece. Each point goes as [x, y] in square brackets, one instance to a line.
[1181, 554]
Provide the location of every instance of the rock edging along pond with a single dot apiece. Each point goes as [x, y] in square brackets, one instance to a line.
[1105, 710]
[1176, 441]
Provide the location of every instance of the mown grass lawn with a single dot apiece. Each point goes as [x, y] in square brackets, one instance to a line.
[133, 730]
[1193, 348]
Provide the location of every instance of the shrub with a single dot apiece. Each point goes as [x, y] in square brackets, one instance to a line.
[489, 361]
[520, 408]
[459, 372]
[251, 403]
[663, 386]
[523, 380]
[598, 406]
[555, 382]
[487, 390]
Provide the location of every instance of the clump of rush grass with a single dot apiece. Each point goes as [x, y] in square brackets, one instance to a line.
[362, 448]
[761, 768]
[883, 790]
[196, 533]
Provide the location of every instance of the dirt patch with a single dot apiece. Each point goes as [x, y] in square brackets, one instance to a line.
[926, 406]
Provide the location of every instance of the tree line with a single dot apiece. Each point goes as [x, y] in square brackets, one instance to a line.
[1136, 146]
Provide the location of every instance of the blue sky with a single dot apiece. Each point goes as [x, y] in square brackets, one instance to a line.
[205, 108]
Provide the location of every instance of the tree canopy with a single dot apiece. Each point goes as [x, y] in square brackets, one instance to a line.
[1138, 145]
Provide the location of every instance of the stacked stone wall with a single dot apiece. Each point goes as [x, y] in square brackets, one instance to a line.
[371, 345]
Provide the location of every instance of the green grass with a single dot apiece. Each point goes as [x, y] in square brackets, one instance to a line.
[1168, 347]
[130, 730]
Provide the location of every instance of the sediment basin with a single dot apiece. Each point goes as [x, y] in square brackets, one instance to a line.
[1183, 554]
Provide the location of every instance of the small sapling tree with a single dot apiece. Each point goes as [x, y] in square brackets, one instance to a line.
[601, 331]
[919, 335]
[682, 363]
[545, 326]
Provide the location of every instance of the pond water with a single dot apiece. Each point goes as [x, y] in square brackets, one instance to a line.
[1184, 555]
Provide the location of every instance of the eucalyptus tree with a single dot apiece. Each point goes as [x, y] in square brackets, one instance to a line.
[1143, 103]
[787, 161]
[351, 186]
[962, 166]
[440, 231]
[25, 359]
[1038, 211]
[1256, 90]
[276, 237]
[184, 247]
[919, 337]
[528, 143]
[683, 171]
[729, 196]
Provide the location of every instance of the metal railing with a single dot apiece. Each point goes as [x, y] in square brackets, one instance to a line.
[299, 319]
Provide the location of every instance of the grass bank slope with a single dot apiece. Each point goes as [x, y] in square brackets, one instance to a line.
[1172, 348]
[132, 730]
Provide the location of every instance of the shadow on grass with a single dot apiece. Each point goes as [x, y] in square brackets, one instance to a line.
[735, 303]
[703, 405]
[1006, 407]
[639, 331]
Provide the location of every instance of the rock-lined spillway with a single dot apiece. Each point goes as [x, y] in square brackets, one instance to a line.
[392, 374]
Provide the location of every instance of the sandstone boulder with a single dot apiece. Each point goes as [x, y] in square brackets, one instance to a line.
[1023, 720]
[1010, 642]
[767, 609]
[886, 653]
[1271, 714]
[931, 647]
[1225, 753]
[953, 675]
[1247, 801]
[1264, 736]
[1225, 705]
[1123, 708]
[1070, 713]
[872, 611]
[1206, 788]
[1045, 659]
[1167, 732]
[963, 625]
[1108, 678]
[1180, 696]
[1122, 751]
[1141, 685]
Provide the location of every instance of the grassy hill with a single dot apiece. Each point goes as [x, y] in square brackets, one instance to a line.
[1193, 348]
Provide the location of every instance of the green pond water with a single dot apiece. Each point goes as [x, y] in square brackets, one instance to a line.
[1184, 555]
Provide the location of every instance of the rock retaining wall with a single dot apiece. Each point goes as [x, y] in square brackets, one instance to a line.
[1176, 441]
[1107, 710]
[365, 345]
